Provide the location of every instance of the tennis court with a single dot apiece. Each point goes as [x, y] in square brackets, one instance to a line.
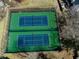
[33, 20]
[32, 41]
[32, 31]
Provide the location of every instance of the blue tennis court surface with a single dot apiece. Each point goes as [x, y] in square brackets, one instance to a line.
[33, 21]
[33, 40]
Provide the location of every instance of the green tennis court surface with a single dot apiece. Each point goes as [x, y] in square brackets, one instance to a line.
[32, 41]
[32, 31]
[33, 21]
